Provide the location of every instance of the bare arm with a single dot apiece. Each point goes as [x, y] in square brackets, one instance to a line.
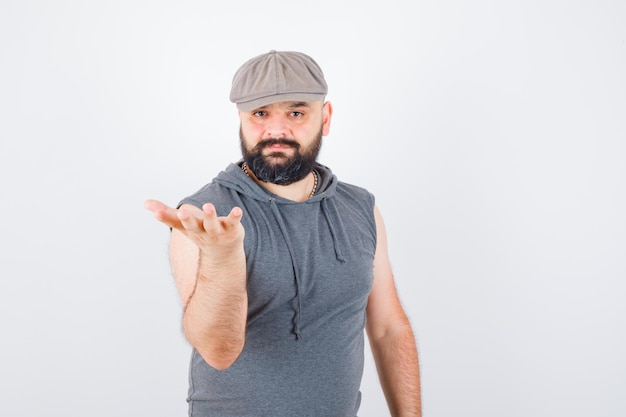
[209, 266]
[391, 337]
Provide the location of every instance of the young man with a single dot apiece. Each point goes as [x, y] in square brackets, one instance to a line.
[280, 266]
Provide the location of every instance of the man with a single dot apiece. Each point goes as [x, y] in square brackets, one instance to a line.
[280, 266]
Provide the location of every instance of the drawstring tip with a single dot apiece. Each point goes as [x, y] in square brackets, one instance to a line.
[298, 336]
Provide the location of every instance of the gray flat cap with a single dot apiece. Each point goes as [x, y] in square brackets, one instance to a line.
[277, 76]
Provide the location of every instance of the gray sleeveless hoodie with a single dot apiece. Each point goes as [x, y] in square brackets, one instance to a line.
[309, 268]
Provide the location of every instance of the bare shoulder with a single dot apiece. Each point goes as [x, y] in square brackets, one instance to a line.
[384, 310]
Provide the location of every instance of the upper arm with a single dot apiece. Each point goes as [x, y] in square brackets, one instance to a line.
[184, 258]
[384, 310]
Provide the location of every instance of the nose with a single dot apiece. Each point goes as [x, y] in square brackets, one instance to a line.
[276, 128]
[276, 133]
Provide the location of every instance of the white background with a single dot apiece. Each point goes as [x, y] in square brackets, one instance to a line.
[493, 134]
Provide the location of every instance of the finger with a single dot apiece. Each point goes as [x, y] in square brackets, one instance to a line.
[154, 205]
[234, 217]
[191, 219]
[210, 223]
[209, 210]
[163, 213]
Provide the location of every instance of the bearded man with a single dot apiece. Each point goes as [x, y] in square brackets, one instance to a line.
[280, 266]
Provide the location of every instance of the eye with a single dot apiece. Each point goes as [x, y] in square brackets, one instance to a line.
[259, 113]
[296, 114]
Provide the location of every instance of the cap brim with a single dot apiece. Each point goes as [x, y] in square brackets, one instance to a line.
[277, 98]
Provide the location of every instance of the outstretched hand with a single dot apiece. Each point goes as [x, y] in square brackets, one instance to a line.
[203, 227]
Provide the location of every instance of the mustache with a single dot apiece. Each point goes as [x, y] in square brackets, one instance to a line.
[277, 141]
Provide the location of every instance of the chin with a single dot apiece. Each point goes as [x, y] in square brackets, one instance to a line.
[276, 159]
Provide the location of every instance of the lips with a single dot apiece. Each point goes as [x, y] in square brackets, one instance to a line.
[279, 147]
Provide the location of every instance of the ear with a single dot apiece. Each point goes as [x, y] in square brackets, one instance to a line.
[327, 113]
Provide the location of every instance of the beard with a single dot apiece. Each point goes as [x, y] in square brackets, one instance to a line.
[278, 167]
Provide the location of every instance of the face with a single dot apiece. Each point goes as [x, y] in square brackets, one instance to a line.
[280, 142]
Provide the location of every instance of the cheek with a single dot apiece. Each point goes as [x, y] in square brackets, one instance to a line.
[307, 134]
[252, 132]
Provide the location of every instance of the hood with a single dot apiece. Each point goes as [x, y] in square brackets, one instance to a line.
[234, 178]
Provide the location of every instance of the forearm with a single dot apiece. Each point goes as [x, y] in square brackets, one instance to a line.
[214, 320]
[397, 364]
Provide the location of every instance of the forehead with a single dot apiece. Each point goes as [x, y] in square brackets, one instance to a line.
[290, 105]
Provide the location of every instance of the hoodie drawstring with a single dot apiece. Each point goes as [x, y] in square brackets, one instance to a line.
[333, 233]
[325, 207]
[294, 264]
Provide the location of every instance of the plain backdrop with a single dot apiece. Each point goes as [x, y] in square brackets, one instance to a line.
[493, 134]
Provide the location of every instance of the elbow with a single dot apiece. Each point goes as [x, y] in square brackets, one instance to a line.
[221, 357]
[398, 330]
[220, 346]
[221, 365]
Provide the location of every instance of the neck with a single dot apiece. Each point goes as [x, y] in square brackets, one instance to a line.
[298, 191]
